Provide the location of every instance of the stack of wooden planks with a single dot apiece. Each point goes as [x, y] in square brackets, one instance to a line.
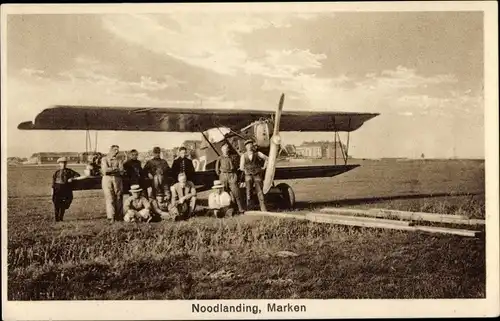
[382, 218]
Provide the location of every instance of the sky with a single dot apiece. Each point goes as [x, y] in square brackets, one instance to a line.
[422, 71]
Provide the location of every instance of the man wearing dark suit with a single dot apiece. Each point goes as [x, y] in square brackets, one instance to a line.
[182, 164]
[134, 174]
[62, 194]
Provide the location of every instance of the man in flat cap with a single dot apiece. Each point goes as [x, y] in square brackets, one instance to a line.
[251, 164]
[62, 191]
[158, 172]
[112, 183]
[226, 167]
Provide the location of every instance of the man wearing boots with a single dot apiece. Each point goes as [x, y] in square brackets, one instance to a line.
[226, 167]
[112, 184]
[251, 164]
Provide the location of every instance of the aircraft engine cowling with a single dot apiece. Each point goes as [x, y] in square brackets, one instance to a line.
[262, 133]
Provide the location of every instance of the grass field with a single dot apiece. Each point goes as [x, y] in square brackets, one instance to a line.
[85, 257]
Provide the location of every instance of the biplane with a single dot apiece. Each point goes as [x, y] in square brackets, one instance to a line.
[262, 126]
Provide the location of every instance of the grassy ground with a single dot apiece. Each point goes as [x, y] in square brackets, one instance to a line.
[85, 257]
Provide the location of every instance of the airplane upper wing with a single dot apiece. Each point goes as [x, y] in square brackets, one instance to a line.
[185, 120]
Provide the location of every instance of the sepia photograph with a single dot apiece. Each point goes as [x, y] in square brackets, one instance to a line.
[189, 161]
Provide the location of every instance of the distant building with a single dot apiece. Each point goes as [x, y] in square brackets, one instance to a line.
[321, 149]
[309, 151]
[51, 158]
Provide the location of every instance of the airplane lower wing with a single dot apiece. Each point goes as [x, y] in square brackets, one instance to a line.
[204, 180]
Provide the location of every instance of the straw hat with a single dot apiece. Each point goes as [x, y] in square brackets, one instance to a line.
[217, 184]
[135, 189]
[62, 160]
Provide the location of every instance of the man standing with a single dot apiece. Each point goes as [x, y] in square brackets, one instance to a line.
[219, 201]
[226, 167]
[133, 171]
[62, 192]
[184, 196]
[112, 183]
[137, 207]
[182, 164]
[158, 172]
[250, 164]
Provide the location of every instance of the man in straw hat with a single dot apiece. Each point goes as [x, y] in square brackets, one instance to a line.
[62, 191]
[136, 207]
[219, 201]
[226, 167]
[112, 183]
[184, 196]
[251, 164]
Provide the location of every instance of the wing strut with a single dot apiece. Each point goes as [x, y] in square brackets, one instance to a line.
[210, 143]
[344, 154]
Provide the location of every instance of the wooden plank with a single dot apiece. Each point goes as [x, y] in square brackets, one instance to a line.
[276, 214]
[343, 221]
[360, 218]
[364, 222]
[412, 216]
[445, 230]
[399, 214]
[313, 217]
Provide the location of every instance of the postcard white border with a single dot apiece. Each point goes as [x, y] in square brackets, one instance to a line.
[142, 310]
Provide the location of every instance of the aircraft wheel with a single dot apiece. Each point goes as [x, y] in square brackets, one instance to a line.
[287, 195]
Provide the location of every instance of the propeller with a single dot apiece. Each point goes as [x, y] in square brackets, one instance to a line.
[273, 151]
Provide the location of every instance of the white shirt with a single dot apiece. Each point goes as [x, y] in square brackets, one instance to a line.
[216, 200]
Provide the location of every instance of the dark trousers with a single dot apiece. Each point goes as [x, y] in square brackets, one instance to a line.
[62, 196]
[159, 183]
[255, 180]
[222, 212]
[230, 182]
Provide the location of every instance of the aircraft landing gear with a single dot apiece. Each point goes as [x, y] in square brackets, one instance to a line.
[287, 195]
[282, 196]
